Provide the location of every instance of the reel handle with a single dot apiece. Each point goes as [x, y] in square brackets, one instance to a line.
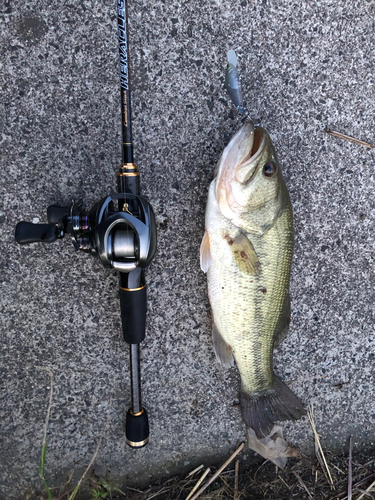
[27, 232]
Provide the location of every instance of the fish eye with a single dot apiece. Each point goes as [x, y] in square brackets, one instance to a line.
[269, 169]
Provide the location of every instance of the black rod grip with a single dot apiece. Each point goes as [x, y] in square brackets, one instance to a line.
[137, 432]
[133, 314]
[27, 232]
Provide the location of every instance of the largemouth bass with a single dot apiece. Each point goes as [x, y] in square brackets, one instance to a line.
[247, 253]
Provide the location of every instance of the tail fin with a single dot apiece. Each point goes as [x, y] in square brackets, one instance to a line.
[261, 411]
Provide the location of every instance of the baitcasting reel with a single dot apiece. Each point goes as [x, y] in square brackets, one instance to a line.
[124, 240]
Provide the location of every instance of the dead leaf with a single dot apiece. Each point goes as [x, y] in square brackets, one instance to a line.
[272, 447]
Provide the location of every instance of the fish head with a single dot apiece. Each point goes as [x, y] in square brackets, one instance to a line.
[249, 187]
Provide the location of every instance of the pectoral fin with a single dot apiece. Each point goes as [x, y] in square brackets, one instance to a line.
[222, 350]
[205, 253]
[244, 254]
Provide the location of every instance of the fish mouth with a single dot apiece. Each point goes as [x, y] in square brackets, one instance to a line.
[247, 168]
[238, 164]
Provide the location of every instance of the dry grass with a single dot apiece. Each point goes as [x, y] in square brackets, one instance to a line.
[348, 138]
[318, 448]
[325, 477]
[302, 478]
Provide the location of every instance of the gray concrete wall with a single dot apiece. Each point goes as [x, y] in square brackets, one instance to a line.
[306, 65]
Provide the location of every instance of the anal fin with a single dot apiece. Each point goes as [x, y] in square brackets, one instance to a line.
[222, 350]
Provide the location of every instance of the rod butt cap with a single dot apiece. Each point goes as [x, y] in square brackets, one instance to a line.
[136, 430]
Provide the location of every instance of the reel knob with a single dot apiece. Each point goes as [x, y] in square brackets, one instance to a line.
[27, 232]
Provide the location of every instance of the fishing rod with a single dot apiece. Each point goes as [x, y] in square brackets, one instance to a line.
[121, 230]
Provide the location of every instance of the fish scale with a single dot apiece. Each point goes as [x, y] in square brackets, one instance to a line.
[250, 318]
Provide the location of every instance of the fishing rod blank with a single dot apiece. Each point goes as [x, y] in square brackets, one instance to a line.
[121, 230]
[132, 285]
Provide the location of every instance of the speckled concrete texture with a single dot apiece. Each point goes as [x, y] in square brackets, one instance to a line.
[306, 65]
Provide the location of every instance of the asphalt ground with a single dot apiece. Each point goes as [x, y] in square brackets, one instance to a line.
[306, 65]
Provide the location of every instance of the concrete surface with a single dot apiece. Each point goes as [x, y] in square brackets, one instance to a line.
[306, 65]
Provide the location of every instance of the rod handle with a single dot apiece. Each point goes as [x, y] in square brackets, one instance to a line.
[137, 432]
[27, 232]
[133, 314]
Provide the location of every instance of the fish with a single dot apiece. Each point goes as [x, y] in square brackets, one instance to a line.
[247, 251]
[232, 82]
